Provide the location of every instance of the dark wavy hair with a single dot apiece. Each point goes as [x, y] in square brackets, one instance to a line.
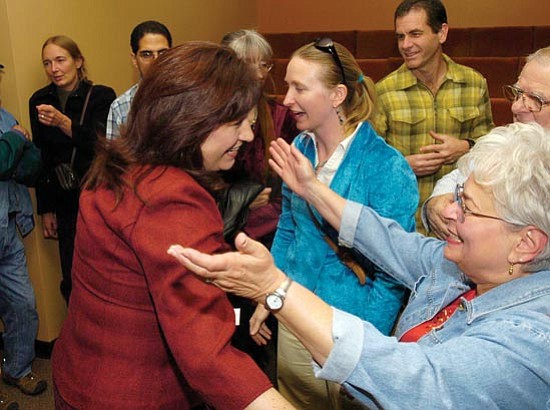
[189, 92]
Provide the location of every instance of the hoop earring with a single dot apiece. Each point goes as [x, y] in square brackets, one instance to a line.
[511, 269]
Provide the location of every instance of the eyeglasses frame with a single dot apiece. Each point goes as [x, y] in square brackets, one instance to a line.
[464, 211]
[517, 92]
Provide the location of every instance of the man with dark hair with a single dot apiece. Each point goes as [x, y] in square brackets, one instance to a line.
[431, 109]
[148, 40]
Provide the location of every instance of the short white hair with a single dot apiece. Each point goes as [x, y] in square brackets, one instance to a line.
[513, 164]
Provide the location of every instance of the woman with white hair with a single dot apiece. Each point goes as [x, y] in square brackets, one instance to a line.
[475, 333]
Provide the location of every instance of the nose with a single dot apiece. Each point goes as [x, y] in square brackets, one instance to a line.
[518, 106]
[289, 98]
[451, 212]
[246, 133]
[53, 66]
[406, 42]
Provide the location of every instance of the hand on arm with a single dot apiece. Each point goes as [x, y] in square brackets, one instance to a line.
[22, 130]
[262, 199]
[50, 116]
[251, 272]
[434, 213]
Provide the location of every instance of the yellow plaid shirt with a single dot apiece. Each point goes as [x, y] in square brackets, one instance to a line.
[407, 110]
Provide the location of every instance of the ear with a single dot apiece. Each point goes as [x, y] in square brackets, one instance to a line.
[338, 95]
[134, 59]
[532, 241]
[442, 34]
[78, 63]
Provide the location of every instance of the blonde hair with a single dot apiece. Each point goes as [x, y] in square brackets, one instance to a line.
[361, 99]
[72, 48]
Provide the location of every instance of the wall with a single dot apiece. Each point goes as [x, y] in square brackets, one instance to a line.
[102, 30]
[278, 16]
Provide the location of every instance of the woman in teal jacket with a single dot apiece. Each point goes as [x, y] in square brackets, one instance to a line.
[332, 102]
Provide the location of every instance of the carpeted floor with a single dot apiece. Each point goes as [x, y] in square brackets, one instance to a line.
[43, 401]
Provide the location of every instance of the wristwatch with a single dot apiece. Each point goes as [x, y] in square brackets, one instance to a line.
[274, 301]
[471, 143]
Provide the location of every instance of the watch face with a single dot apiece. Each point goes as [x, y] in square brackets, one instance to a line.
[273, 302]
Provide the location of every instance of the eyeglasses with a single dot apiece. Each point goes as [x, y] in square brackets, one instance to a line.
[265, 66]
[326, 45]
[463, 210]
[531, 101]
[149, 54]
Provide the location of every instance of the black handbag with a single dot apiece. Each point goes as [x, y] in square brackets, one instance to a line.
[65, 173]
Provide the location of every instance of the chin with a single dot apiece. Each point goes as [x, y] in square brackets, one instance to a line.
[450, 254]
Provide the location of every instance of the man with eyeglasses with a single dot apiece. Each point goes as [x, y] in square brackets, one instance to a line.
[148, 40]
[530, 98]
[431, 109]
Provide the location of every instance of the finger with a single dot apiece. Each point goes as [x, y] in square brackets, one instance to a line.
[248, 246]
[179, 253]
[259, 340]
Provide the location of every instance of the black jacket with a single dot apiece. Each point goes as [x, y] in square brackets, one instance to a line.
[56, 147]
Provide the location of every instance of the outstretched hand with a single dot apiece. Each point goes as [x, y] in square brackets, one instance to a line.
[292, 166]
[250, 272]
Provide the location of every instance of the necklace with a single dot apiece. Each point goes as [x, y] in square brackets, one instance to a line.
[320, 165]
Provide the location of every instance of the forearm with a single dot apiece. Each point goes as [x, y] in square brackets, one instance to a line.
[309, 319]
[327, 202]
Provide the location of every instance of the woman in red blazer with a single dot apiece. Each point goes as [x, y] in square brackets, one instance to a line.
[142, 333]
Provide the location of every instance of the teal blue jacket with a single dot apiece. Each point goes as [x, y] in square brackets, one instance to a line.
[374, 174]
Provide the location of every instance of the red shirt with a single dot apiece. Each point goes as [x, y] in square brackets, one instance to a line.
[142, 332]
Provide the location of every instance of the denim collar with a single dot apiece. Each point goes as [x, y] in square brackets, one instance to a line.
[510, 294]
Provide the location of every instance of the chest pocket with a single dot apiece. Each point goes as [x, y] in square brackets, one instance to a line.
[404, 126]
[463, 119]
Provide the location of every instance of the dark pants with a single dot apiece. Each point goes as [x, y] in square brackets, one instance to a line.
[66, 230]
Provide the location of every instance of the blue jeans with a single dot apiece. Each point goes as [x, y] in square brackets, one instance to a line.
[17, 304]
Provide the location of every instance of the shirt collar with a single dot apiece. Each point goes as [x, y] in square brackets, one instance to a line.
[406, 79]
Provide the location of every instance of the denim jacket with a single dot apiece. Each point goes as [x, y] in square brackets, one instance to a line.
[14, 198]
[492, 353]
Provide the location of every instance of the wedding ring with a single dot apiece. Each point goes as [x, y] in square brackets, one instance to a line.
[209, 280]
[42, 116]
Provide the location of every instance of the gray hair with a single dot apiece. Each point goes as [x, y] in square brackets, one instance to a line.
[248, 44]
[541, 56]
[513, 164]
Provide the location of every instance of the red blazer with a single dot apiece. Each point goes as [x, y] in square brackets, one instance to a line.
[142, 332]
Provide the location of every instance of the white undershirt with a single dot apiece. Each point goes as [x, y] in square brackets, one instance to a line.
[326, 173]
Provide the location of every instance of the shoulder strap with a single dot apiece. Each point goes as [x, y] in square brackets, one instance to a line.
[86, 104]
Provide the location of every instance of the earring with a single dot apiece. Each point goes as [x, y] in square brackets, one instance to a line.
[511, 269]
[340, 119]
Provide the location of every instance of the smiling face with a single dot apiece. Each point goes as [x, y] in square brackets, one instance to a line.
[479, 246]
[535, 79]
[311, 102]
[419, 46]
[221, 147]
[61, 67]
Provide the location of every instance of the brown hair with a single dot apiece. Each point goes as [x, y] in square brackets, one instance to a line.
[189, 92]
[360, 101]
[72, 48]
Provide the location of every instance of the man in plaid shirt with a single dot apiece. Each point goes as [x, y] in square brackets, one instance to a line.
[431, 109]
